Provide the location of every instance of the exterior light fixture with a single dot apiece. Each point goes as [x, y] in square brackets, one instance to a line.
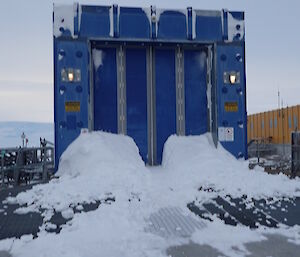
[70, 75]
[232, 77]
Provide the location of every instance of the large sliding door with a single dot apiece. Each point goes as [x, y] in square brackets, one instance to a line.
[136, 98]
[165, 97]
[105, 90]
[150, 93]
[195, 71]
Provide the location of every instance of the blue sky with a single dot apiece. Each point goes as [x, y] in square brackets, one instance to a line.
[26, 72]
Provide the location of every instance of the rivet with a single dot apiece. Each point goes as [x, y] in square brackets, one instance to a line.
[223, 57]
[79, 54]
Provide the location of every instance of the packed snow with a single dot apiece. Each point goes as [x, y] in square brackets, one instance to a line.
[64, 19]
[99, 165]
[235, 27]
[98, 58]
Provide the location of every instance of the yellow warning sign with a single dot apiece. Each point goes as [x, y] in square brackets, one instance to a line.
[231, 107]
[72, 106]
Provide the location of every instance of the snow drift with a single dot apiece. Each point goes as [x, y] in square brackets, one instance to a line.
[93, 166]
[193, 160]
[97, 165]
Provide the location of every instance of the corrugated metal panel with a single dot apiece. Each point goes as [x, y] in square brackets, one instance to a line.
[298, 117]
[275, 127]
[286, 127]
[256, 126]
[248, 129]
[277, 124]
[267, 124]
[259, 128]
[262, 125]
[271, 125]
[295, 118]
[290, 124]
[252, 127]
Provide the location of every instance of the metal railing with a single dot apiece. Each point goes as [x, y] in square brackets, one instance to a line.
[259, 147]
[22, 164]
[295, 144]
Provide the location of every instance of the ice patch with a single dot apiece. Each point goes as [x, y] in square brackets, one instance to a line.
[98, 56]
[194, 19]
[64, 19]
[229, 240]
[202, 59]
[111, 21]
[233, 23]
[79, 16]
[147, 11]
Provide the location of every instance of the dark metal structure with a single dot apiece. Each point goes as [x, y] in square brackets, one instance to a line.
[22, 164]
[295, 153]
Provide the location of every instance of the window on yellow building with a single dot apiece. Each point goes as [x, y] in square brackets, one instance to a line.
[295, 122]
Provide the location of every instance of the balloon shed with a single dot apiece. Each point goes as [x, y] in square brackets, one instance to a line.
[149, 73]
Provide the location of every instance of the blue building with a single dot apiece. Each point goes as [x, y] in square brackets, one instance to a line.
[149, 73]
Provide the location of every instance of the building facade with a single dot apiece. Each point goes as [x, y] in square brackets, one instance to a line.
[149, 73]
[275, 126]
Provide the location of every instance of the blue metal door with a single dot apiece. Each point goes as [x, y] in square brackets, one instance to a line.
[105, 90]
[165, 96]
[195, 71]
[136, 98]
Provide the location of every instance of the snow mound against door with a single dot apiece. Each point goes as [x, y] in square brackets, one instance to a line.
[193, 161]
[112, 161]
[100, 153]
[94, 166]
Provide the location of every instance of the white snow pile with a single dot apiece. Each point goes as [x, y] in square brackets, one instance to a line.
[99, 165]
[195, 161]
[64, 18]
[94, 166]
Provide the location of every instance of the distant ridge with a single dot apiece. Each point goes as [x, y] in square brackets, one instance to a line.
[11, 131]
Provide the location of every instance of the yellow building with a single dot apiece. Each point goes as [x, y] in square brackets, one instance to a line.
[275, 125]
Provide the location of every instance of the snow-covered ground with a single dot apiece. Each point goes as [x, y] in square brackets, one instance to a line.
[99, 165]
[10, 133]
